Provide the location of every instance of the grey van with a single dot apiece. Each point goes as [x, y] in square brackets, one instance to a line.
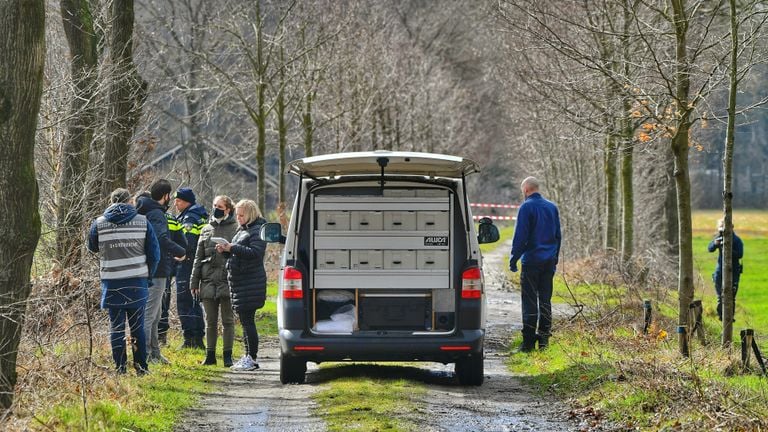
[382, 263]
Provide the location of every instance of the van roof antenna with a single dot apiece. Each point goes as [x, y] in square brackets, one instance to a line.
[382, 161]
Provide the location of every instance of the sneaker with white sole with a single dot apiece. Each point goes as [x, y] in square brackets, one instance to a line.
[246, 363]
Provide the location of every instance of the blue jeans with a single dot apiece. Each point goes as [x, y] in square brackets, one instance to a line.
[536, 286]
[135, 317]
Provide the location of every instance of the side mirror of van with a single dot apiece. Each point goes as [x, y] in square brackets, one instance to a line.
[487, 232]
[272, 233]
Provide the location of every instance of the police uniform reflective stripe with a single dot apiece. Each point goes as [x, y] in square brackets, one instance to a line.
[173, 224]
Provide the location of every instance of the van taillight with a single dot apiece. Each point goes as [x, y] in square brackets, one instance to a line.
[292, 284]
[471, 283]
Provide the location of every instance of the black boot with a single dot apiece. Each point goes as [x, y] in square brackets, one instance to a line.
[210, 358]
[228, 358]
[188, 343]
[527, 346]
[198, 343]
[543, 342]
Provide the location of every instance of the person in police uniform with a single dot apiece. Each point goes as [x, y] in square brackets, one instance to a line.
[192, 217]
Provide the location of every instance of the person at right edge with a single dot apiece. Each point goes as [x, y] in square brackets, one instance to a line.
[247, 277]
[717, 276]
[209, 279]
[193, 218]
[536, 244]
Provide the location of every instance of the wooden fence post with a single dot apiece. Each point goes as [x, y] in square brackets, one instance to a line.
[647, 315]
[695, 316]
[747, 335]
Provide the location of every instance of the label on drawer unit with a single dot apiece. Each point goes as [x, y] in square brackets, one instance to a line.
[436, 241]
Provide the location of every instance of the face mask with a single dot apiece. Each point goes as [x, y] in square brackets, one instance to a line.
[218, 213]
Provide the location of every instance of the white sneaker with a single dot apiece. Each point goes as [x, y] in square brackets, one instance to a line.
[246, 363]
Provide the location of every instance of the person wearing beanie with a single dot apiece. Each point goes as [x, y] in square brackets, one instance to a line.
[128, 256]
[193, 218]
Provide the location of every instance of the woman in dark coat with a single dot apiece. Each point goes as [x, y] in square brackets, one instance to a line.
[209, 278]
[247, 277]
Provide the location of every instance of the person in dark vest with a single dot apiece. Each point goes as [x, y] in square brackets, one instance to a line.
[209, 279]
[128, 256]
[193, 218]
[153, 206]
[536, 243]
[717, 277]
[177, 236]
[247, 277]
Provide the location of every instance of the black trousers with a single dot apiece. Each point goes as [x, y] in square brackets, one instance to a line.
[250, 335]
[536, 286]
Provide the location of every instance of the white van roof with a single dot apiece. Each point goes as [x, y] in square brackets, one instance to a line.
[398, 163]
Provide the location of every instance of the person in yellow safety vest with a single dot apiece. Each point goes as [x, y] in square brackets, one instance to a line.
[177, 235]
[193, 218]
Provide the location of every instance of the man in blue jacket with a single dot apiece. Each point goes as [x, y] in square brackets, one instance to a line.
[193, 218]
[537, 244]
[153, 206]
[717, 277]
[128, 256]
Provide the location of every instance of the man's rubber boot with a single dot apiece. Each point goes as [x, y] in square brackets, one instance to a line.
[527, 346]
[543, 342]
[210, 358]
[188, 343]
[228, 358]
[198, 343]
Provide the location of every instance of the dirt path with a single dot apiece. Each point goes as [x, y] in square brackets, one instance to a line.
[256, 401]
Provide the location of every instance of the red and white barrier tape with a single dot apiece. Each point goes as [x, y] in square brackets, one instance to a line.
[476, 217]
[486, 205]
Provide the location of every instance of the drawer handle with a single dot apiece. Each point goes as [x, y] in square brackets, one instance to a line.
[397, 223]
[363, 262]
[430, 223]
[430, 262]
[363, 223]
[331, 223]
[330, 262]
[397, 262]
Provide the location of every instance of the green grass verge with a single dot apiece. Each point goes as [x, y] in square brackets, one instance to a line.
[641, 382]
[362, 400]
[150, 403]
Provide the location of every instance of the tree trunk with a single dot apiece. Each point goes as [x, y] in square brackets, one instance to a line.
[627, 191]
[680, 150]
[727, 287]
[282, 128]
[670, 218]
[126, 96]
[70, 217]
[22, 24]
[611, 191]
[308, 126]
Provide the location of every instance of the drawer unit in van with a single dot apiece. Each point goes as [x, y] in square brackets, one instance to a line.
[400, 220]
[366, 220]
[432, 220]
[329, 220]
[331, 259]
[400, 259]
[395, 312]
[432, 259]
[362, 259]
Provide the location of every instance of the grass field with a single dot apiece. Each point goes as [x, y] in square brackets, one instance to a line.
[752, 297]
[610, 370]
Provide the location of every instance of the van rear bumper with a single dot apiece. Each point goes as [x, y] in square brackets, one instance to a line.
[444, 349]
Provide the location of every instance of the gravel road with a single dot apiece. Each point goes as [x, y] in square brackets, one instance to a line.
[256, 401]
